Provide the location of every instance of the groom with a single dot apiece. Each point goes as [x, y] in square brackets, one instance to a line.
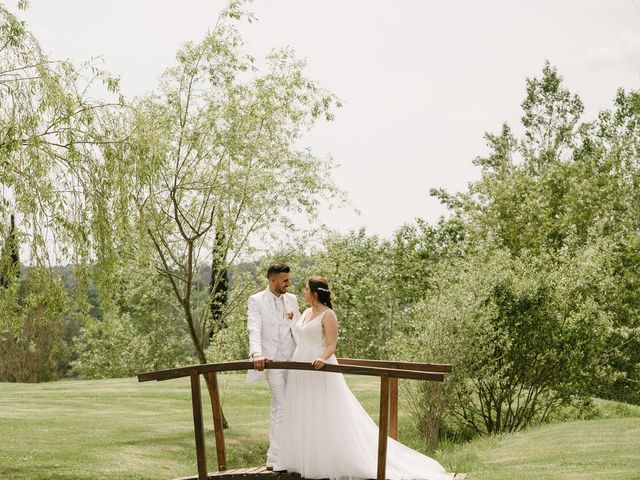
[272, 312]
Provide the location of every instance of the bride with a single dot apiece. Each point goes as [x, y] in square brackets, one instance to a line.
[325, 432]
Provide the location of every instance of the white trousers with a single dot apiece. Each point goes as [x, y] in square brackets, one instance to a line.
[277, 380]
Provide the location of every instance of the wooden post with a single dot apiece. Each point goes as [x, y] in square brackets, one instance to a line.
[393, 408]
[384, 422]
[196, 401]
[216, 409]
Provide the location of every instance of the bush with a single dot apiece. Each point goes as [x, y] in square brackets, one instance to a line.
[34, 314]
[115, 347]
[138, 330]
[525, 336]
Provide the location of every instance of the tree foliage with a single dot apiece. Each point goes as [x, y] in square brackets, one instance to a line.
[213, 156]
[34, 314]
[529, 287]
[50, 129]
[206, 167]
[525, 336]
[539, 312]
[50, 132]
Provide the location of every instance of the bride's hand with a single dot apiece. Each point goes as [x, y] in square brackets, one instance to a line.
[318, 363]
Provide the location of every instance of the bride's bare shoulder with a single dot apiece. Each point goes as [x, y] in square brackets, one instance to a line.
[329, 314]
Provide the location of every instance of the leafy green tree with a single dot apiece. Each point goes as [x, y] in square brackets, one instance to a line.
[141, 330]
[376, 282]
[356, 266]
[526, 337]
[34, 314]
[609, 157]
[415, 252]
[50, 130]
[562, 186]
[213, 155]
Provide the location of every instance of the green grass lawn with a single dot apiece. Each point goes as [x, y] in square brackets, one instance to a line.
[122, 429]
[580, 450]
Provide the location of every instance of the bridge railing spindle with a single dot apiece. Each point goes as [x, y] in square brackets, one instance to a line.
[196, 401]
[216, 409]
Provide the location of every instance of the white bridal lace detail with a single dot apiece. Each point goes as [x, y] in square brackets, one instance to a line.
[327, 434]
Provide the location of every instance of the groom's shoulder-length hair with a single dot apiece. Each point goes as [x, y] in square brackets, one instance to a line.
[276, 268]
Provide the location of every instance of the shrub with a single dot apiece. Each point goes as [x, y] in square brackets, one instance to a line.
[525, 336]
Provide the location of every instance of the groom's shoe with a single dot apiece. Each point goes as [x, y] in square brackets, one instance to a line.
[271, 469]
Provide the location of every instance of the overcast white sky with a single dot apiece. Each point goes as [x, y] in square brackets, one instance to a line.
[421, 80]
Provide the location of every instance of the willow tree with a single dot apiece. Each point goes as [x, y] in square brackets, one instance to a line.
[50, 132]
[215, 153]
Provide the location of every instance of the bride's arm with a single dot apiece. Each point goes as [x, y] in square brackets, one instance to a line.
[330, 325]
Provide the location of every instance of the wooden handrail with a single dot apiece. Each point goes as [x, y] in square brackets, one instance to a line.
[419, 367]
[388, 371]
[353, 369]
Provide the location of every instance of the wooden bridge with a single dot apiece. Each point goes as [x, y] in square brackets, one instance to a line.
[388, 371]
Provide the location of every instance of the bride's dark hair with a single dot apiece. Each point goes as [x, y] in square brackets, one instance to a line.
[320, 286]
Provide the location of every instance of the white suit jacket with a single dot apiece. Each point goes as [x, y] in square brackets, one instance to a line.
[262, 323]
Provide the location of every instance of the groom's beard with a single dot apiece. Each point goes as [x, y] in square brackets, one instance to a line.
[278, 289]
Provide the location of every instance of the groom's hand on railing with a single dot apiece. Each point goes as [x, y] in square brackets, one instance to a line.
[259, 362]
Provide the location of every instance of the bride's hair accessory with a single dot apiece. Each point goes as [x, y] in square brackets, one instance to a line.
[320, 286]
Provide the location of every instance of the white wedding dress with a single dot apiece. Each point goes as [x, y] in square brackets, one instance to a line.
[327, 434]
